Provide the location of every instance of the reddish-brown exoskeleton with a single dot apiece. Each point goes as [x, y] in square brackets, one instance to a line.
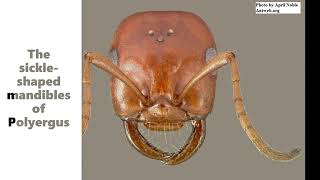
[163, 66]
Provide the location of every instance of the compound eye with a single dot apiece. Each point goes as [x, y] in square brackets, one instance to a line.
[151, 32]
[170, 31]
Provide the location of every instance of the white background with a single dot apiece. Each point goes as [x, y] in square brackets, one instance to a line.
[281, 8]
[40, 153]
